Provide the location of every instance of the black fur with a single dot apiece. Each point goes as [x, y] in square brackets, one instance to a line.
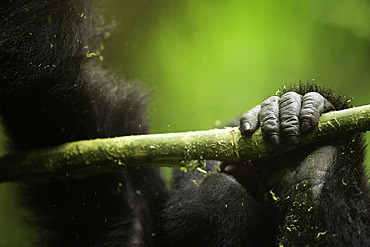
[300, 212]
[53, 90]
[340, 215]
[211, 210]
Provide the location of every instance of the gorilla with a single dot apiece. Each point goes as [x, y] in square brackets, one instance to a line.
[317, 195]
[54, 90]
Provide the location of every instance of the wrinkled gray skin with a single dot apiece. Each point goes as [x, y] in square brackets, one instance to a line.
[285, 118]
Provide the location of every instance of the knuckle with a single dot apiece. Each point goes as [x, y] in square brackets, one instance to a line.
[291, 97]
[270, 103]
[268, 130]
[313, 100]
[290, 124]
[313, 95]
[308, 118]
[269, 116]
[309, 113]
[290, 103]
[270, 126]
[291, 131]
[291, 127]
[254, 112]
[270, 100]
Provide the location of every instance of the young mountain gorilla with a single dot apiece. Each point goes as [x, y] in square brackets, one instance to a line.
[319, 195]
[53, 90]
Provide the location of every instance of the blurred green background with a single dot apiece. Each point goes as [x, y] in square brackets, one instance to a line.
[207, 62]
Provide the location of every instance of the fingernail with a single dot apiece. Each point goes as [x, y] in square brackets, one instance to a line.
[275, 139]
[245, 127]
[305, 126]
[292, 140]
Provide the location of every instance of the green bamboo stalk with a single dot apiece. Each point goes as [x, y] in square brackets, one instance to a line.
[86, 158]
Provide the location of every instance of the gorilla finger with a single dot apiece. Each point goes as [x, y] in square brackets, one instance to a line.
[290, 106]
[249, 120]
[269, 120]
[313, 105]
[328, 106]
